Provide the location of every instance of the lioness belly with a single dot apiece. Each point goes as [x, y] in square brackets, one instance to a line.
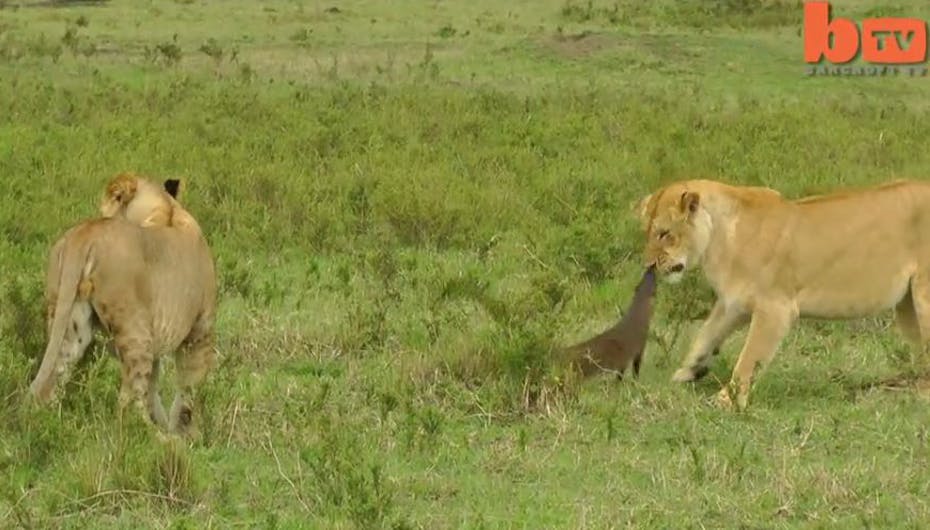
[845, 297]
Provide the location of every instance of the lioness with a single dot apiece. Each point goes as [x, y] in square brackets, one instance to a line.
[152, 288]
[771, 260]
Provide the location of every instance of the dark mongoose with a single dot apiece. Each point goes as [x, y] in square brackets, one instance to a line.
[619, 346]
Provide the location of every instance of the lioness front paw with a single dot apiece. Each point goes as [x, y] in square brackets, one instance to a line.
[165, 437]
[723, 399]
[683, 375]
[742, 401]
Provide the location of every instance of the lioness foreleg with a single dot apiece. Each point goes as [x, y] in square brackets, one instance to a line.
[720, 323]
[767, 328]
[193, 361]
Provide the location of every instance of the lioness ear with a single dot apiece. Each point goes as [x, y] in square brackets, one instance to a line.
[172, 186]
[689, 202]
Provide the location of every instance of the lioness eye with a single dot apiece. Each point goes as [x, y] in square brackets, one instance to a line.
[662, 234]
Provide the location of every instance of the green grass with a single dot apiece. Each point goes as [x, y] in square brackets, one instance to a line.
[410, 203]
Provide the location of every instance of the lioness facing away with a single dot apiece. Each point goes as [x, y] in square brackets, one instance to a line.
[771, 260]
[152, 288]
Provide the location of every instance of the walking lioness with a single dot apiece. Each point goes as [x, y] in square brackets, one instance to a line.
[152, 287]
[771, 260]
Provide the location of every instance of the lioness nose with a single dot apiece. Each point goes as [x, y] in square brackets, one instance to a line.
[677, 268]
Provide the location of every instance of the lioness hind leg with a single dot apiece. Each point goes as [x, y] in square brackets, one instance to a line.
[920, 298]
[906, 319]
[139, 376]
[193, 361]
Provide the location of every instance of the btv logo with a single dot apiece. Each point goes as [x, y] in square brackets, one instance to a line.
[889, 41]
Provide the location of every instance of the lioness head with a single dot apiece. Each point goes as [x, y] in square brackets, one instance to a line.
[140, 201]
[677, 230]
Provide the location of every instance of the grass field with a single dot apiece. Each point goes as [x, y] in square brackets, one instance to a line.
[409, 203]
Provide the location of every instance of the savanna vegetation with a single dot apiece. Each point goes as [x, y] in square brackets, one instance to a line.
[410, 204]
